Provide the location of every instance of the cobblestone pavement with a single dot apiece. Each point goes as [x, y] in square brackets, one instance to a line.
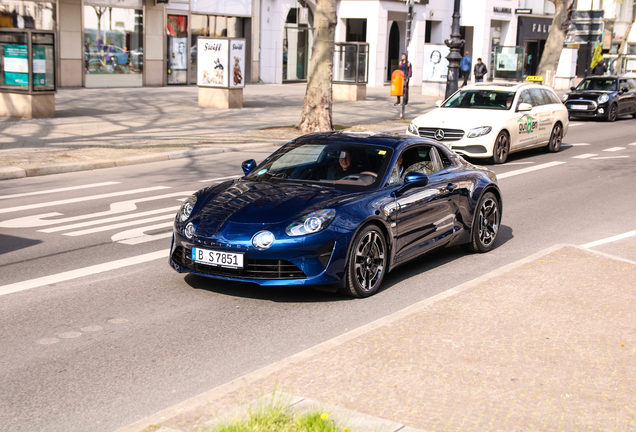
[545, 344]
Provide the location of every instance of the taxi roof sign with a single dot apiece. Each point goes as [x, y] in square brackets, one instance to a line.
[538, 78]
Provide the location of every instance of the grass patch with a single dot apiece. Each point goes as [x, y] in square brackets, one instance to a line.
[276, 417]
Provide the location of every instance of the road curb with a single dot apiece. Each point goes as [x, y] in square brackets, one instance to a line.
[242, 382]
[10, 172]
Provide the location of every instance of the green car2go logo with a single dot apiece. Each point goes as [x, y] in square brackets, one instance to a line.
[527, 124]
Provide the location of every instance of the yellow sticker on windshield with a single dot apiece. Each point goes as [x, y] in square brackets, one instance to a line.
[382, 152]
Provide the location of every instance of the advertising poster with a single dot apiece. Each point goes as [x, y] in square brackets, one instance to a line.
[506, 62]
[39, 65]
[16, 65]
[178, 57]
[212, 67]
[237, 60]
[435, 63]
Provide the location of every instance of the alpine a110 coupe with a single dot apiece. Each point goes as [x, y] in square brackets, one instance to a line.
[337, 210]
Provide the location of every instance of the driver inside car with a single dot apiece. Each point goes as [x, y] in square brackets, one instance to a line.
[344, 167]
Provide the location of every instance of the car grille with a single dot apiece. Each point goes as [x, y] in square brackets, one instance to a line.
[589, 105]
[449, 134]
[254, 268]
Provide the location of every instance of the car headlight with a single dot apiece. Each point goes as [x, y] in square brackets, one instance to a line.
[603, 98]
[186, 208]
[311, 223]
[413, 129]
[480, 131]
[565, 97]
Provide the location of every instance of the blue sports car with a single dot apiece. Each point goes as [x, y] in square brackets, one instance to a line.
[337, 210]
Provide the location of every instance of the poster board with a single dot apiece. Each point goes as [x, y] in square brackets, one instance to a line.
[221, 62]
[506, 61]
[435, 62]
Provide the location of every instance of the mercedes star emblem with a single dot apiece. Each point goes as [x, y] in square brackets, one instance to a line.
[439, 134]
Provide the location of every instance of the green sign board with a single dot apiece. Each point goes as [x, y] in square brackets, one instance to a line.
[16, 65]
[39, 65]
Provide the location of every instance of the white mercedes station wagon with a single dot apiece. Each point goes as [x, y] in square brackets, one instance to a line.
[490, 121]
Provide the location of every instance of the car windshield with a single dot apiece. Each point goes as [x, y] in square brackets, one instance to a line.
[598, 84]
[326, 164]
[481, 99]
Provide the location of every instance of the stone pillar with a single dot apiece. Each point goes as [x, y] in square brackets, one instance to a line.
[71, 43]
[350, 92]
[154, 49]
[221, 98]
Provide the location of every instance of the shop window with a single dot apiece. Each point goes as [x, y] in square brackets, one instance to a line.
[27, 15]
[177, 30]
[297, 42]
[631, 49]
[113, 46]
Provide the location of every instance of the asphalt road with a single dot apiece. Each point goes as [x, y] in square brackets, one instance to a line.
[98, 330]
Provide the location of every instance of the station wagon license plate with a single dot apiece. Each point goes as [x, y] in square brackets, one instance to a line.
[578, 107]
[217, 258]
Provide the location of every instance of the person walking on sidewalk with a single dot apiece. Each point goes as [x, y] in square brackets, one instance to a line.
[464, 67]
[600, 68]
[480, 71]
[405, 67]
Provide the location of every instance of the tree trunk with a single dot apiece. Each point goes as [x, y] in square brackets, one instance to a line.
[316, 113]
[554, 44]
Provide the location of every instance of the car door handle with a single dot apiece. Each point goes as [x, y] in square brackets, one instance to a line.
[451, 187]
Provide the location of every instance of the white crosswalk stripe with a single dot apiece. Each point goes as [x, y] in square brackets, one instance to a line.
[585, 156]
[119, 225]
[138, 235]
[50, 191]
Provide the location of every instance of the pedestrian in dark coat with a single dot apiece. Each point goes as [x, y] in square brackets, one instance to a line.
[600, 68]
[405, 67]
[480, 71]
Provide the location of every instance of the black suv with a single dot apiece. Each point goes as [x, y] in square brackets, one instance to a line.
[606, 97]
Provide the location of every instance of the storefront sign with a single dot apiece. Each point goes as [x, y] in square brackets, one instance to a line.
[435, 63]
[16, 65]
[532, 28]
[502, 9]
[523, 11]
[237, 59]
[212, 62]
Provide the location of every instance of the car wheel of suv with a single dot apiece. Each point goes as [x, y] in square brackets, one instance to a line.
[485, 225]
[367, 263]
[612, 113]
[556, 137]
[501, 148]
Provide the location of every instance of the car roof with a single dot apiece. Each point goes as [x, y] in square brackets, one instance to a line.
[502, 86]
[385, 139]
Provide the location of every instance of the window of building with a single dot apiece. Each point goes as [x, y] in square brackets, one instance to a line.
[356, 30]
[27, 14]
[113, 46]
[631, 49]
[297, 42]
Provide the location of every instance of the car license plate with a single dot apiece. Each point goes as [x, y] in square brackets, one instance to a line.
[216, 258]
[578, 107]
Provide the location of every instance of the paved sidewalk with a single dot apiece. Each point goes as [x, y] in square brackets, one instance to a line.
[544, 344]
[100, 128]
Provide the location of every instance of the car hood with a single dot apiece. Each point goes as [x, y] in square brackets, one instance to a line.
[588, 94]
[461, 118]
[264, 203]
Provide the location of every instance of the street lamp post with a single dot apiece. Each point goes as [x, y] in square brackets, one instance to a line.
[409, 21]
[454, 57]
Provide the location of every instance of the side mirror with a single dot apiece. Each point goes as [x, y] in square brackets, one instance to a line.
[625, 89]
[573, 88]
[248, 166]
[411, 180]
[523, 106]
[438, 103]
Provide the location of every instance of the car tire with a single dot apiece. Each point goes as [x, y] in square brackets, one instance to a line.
[556, 137]
[501, 148]
[367, 263]
[612, 113]
[485, 225]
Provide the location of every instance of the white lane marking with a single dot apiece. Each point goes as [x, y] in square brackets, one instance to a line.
[113, 219]
[584, 156]
[614, 149]
[220, 178]
[115, 208]
[86, 271]
[119, 225]
[634, 144]
[81, 199]
[519, 163]
[138, 235]
[50, 191]
[610, 157]
[610, 239]
[578, 144]
[529, 169]
[575, 124]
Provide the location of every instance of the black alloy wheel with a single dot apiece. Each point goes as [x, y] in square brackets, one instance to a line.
[501, 148]
[556, 138]
[367, 263]
[486, 224]
[612, 114]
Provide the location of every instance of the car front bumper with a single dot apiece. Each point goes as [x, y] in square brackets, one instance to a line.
[478, 147]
